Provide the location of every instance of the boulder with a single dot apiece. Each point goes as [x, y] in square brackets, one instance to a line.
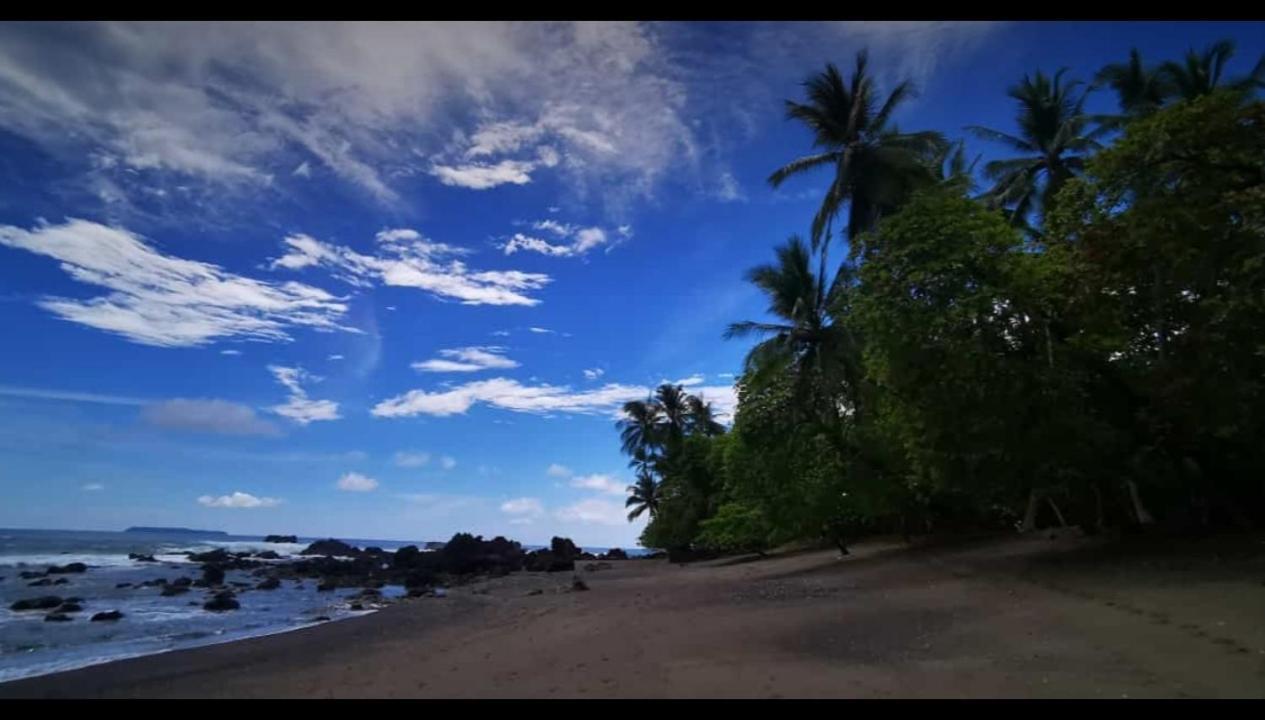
[326, 586]
[45, 602]
[330, 547]
[218, 555]
[321, 618]
[434, 545]
[221, 602]
[40, 583]
[69, 607]
[173, 590]
[57, 617]
[212, 574]
[614, 554]
[578, 585]
[182, 582]
[268, 555]
[547, 561]
[61, 581]
[564, 548]
[355, 606]
[271, 583]
[31, 574]
[120, 586]
[138, 557]
[74, 567]
[281, 539]
[107, 616]
[374, 550]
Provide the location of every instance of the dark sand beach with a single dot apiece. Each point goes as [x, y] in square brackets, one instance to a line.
[1021, 618]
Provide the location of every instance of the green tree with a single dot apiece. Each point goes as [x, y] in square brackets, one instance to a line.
[1054, 137]
[1140, 90]
[875, 165]
[643, 497]
[1199, 73]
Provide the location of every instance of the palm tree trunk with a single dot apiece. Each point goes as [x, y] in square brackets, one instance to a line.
[1030, 516]
[1057, 513]
[1139, 510]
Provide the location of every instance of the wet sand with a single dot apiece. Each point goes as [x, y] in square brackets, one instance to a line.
[1031, 617]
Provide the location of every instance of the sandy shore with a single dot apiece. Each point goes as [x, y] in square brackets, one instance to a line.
[1014, 618]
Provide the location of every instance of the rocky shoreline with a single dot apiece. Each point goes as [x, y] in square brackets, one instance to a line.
[331, 564]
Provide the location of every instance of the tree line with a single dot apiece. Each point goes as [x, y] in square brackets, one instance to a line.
[1077, 340]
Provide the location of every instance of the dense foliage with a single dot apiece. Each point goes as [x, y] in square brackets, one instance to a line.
[1081, 343]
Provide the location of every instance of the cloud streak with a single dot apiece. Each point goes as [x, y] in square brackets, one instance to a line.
[467, 359]
[166, 301]
[508, 394]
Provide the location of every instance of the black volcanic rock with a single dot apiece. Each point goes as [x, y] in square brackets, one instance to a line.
[268, 555]
[330, 547]
[31, 574]
[138, 557]
[281, 539]
[212, 574]
[222, 601]
[218, 555]
[271, 583]
[108, 616]
[57, 617]
[45, 602]
[613, 554]
[40, 583]
[326, 586]
[173, 590]
[70, 607]
[74, 567]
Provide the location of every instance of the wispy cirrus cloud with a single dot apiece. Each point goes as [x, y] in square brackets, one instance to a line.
[167, 301]
[238, 500]
[508, 394]
[593, 511]
[298, 406]
[467, 359]
[575, 241]
[406, 259]
[407, 459]
[524, 510]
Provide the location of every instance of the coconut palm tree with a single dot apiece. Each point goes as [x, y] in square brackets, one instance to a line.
[808, 340]
[639, 429]
[674, 411]
[702, 418]
[643, 497]
[952, 169]
[1200, 73]
[875, 165]
[1054, 139]
[1140, 90]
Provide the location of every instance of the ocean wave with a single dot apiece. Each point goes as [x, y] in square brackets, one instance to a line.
[90, 559]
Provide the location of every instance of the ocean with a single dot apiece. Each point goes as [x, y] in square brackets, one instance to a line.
[151, 624]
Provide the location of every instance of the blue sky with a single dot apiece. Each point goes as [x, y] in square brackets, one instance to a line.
[393, 281]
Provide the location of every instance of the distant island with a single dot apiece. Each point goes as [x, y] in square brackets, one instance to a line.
[173, 531]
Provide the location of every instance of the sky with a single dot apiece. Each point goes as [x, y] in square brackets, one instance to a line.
[394, 281]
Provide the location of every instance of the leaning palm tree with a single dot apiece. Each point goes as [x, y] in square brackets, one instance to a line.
[702, 418]
[875, 165]
[1140, 90]
[639, 429]
[643, 496]
[809, 339]
[1199, 74]
[1054, 139]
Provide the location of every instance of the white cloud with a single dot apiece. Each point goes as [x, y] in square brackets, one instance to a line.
[558, 471]
[482, 177]
[580, 240]
[230, 352]
[161, 300]
[725, 375]
[335, 357]
[600, 483]
[593, 373]
[210, 416]
[411, 459]
[304, 170]
[355, 482]
[511, 395]
[542, 331]
[406, 259]
[467, 359]
[524, 509]
[690, 381]
[727, 188]
[501, 333]
[93, 487]
[593, 512]
[298, 406]
[447, 462]
[238, 500]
